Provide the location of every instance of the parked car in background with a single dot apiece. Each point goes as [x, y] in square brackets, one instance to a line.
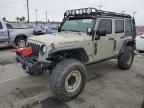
[49, 30]
[140, 43]
[37, 30]
[17, 36]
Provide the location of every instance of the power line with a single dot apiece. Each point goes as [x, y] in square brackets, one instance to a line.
[11, 7]
[81, 2]
[9, 2]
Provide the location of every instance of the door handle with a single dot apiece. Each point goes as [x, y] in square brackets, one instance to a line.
[111, 38]
[122, 37]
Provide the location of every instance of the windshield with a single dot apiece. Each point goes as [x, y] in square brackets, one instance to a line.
[77, 25]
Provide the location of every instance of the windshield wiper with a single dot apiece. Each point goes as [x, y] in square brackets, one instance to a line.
[75, 31]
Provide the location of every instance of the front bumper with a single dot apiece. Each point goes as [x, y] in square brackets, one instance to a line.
[30, 65]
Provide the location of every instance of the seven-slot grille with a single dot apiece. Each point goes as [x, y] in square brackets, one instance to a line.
[35, 48]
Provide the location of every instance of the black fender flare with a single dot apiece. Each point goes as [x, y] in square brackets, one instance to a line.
[127, 43]
[82, 52]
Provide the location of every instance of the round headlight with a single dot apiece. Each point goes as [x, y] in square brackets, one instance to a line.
[43, 50]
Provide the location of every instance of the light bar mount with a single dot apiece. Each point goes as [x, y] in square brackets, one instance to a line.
[93, 12]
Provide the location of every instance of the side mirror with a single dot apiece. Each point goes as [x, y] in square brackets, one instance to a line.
[97, 37]
[101, 32]
[90, 31]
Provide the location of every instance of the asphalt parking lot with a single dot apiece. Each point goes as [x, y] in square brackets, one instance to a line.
[107, 86]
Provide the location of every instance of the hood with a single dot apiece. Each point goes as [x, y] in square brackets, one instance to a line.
[62, 38]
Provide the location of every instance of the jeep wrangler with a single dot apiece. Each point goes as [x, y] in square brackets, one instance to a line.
[85, 36]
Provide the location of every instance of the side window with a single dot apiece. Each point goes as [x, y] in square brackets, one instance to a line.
[119, 26]
[129, 29]
[105, 24]
[1, 26]
[9, 26]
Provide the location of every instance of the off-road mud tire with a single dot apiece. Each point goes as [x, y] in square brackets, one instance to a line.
[58, 77]
[124, 57]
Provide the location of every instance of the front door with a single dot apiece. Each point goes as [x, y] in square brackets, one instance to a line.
[3, 34]
[104, 47]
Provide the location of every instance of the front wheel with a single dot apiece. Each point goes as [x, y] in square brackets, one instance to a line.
[126, 58]
[67, 79]
[142, 105]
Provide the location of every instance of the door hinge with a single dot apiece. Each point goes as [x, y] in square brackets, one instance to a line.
[95, 48]
[115, 44]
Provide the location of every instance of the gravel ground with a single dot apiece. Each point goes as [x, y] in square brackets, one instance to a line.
[107, 86]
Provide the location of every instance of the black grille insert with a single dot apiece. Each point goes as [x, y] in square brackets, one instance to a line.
[35, 48]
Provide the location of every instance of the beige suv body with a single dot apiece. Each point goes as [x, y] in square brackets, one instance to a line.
[85, 36]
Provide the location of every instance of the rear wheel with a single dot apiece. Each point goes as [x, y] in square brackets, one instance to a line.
[125, 59]
[67, 79]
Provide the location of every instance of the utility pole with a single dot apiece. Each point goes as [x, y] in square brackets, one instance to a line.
[28, 11]
[46, 17]
[134, 13]
[36, 16]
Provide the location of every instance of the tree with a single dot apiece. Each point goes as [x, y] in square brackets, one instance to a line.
[18, 19]
[23, 18]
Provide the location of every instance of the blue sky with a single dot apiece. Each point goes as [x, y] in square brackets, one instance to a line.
[56, 8]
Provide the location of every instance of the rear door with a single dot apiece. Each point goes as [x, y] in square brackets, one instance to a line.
[3, 34]
[119, 34]
[105, 45]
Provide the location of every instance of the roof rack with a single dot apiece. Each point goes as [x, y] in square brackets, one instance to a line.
[108, 13]
[94, 12]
